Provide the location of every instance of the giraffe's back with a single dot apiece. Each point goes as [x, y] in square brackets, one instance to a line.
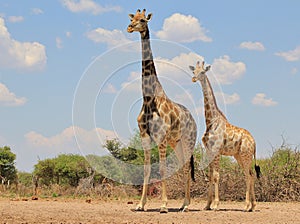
[237, 141]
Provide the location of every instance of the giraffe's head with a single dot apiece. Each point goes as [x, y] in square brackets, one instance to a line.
[199, 71]
[139, 21]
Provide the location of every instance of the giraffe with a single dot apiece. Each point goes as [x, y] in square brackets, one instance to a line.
[223, 138]
[161, 120]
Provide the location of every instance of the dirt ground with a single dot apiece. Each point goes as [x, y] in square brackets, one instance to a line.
[95, 211]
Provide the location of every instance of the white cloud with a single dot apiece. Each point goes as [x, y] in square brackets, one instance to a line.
[110, 88]
[111, 38]
[58, 42]
[15, 54]
[255, 46]
[36, 11]
[89, 6]
[294, 71]
[182, 28]
[133, 83]
[68, 34]
[66, 141]
[8, 98]
[293, 55]
[15, 19]
[227, 98]
[177, 68]
[174, 71]
[260, 99]
[226, 71]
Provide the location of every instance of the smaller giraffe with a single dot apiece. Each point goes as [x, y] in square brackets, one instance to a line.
[223, 138]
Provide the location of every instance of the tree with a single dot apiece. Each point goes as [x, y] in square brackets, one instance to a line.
[8, 170]
[65, 169]
[44, 171]
[69, 169]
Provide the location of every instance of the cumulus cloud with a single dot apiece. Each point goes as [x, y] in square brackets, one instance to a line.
[15, 19]
[226, 71]
[294, 71]
[66, 141]
[110, 37]
[133, 83]
[176, 68]
[36, 11]
[174, 71]
[110, 88]
[183, 28]
[254, 46]
[262, 100]
[16, 54]
[8, 98]
[88, 6]
[293, 55]
[59, 43]
[68, 34]
[227, 98]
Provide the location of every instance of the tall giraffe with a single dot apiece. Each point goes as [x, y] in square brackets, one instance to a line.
[161, 120]
[222, 138]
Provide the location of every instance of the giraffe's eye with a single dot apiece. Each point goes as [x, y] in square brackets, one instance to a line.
[142, 20]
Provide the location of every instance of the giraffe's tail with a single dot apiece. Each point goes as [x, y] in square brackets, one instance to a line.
[192, 168]
[256, 167]
[257, 170]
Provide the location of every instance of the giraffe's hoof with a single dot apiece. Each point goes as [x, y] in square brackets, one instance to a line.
[163, 210]
[207, 208]
[249, 210]
[184, 209]
[139, 209]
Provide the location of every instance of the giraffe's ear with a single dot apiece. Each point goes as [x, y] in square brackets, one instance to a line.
[149, 17]
[207, 68]
[131, 16]
[192, 68]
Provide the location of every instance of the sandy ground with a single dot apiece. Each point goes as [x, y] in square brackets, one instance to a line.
[80, 211]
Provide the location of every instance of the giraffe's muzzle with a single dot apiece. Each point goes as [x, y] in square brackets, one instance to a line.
[129, 29]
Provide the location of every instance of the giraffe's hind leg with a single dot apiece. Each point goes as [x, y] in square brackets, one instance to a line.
[252, 192]
[245, 163]
[184, 163]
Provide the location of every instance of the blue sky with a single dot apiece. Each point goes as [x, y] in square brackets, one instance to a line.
[69, 70]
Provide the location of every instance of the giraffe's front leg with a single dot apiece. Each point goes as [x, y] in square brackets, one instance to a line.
[146, 143]
[216, 178]
[213, 182]
[210, 189]
[163, 169]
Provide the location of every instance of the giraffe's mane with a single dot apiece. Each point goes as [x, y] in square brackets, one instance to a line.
[214, 98]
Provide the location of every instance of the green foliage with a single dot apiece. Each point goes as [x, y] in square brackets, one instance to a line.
[64, 169]
[122, 153]
[70, 168]
[44, 170]
[7, 164]
[25, 179]
[280, 179]
[280, 175]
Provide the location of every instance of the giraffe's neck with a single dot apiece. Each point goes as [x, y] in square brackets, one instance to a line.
[150, 84]
[212, 111]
